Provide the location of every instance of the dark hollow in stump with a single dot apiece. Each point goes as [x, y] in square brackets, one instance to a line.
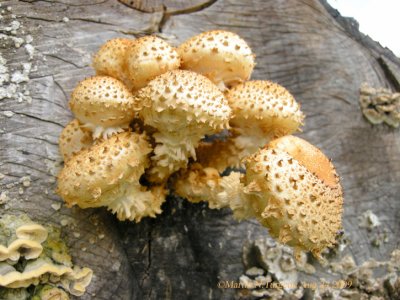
[304, 45]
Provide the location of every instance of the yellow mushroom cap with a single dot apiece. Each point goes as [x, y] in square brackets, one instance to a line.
[108, 173]
[220, 55]
[73, 139]
[263, 108]
[101, 168]
[148, 57]
[102, 102]
[110, 59]
[183, 101]
[295, 191]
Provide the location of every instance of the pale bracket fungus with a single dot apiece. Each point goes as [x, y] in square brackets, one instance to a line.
[380, 105]
[45, 259]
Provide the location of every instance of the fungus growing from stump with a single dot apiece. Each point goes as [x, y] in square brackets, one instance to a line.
[290, 186]
[108, 173]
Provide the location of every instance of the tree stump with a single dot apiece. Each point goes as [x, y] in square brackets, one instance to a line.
[304, 45]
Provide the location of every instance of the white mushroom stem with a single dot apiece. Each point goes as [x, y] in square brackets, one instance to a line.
[171, 153]
[105, 132]
[133, 202]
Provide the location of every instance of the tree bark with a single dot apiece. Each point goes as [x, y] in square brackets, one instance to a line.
[304, 45]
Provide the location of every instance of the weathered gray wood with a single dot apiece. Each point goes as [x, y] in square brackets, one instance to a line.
[168, 6]
[302, 44]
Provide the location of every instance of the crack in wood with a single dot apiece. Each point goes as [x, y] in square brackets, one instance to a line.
[40, 119]
[66, 61]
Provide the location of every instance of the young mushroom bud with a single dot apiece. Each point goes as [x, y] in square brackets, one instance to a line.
[295, 192]
[148, 57]
[73, 139]
[222, 56]
[110, 59]
[108, 173]
[183, 106]
[103, 104]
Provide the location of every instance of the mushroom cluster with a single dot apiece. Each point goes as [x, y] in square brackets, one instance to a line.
[31, 254]
[156, 119]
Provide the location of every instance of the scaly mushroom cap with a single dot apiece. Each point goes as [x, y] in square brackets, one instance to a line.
[183, 101]
[263, 109]
[222, 56]
[148, 57]
[73, 139]
[103, 104]
[295, 192]
[183, 106]
[110, 59]
[107, 174]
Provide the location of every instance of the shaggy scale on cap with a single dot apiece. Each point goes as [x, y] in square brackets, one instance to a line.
[148, 57]
[222, 56]
[295, 192]
[73, 139]
[110, 59]
[183, 106]
[107, 174]
[103, 104]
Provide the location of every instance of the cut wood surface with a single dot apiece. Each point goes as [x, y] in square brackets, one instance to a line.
[304, 45]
